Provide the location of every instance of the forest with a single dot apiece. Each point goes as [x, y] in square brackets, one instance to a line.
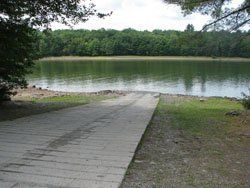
[104, 42]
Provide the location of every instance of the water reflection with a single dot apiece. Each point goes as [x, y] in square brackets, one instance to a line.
[194, 78]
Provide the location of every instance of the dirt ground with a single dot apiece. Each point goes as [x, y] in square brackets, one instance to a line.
[168, 157]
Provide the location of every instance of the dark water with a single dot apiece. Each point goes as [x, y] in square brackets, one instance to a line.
[193, 78]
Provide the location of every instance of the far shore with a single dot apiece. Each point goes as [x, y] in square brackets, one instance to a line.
[144, 58]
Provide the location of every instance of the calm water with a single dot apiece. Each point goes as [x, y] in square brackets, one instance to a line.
[193, 78]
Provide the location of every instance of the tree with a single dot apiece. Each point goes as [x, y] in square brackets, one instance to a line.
[223, 16]
[190, 28]
[18, 20]
[132, 42]
[17, 53]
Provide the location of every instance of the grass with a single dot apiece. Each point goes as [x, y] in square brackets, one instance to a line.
[201, 118]
[143, 58]
[30, 106]
[190, 143]
[71, 99]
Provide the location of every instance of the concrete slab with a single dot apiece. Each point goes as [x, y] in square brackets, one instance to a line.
[86, 146]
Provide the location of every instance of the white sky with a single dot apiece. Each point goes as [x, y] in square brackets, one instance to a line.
[140, 15]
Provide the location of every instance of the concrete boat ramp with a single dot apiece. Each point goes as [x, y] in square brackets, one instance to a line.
[89, 146]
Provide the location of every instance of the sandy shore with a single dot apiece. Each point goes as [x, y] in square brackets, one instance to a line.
[144, 58]
[39, 93]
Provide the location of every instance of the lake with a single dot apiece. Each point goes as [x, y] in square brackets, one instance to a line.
[175, 77]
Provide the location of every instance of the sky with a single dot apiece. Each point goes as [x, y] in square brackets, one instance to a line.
[140, 15]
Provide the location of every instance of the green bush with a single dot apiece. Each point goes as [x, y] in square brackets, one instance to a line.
[246, 100]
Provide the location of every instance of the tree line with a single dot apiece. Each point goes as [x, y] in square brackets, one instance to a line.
[156, 43]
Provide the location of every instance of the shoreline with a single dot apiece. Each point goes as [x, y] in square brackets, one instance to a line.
[32, 92]
[40, 93]
[143, 58]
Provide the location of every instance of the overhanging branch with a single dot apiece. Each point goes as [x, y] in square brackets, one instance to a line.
[225, 16]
